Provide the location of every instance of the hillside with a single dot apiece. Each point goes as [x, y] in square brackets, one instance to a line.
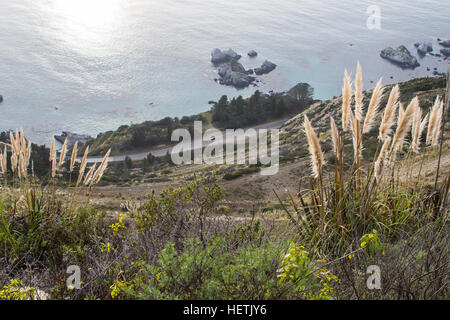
[151, 230]
[224, 114]
[425, 89]
[249, 190]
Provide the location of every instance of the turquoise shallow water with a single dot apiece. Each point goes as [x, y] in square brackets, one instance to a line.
[92, 65]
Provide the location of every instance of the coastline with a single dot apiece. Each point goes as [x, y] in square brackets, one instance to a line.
[161, 150]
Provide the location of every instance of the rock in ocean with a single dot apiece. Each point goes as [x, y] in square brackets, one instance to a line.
[72, 138]
[266, 67]
[401, 56]
[234, 74]
[218, 56]
[445, 43]
[252, 53]
[424, 47]
[445, 52]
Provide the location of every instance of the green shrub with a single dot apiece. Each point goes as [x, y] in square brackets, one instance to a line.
[16, 291]
[212, 272]
[240, 172]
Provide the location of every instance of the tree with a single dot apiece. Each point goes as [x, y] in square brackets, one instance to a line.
[302, 92]
[138, 137]
[255, 97]
[185, 120]
[41, 160]
[169, 131]
[168, 158]
[150, 158]
[240, 105]
[223, 102]
[119, 168]
[220, 113]
[128, 162]
[280, 109]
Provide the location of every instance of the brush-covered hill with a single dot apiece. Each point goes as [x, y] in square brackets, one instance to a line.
[226, 113]
[224, 232]
[246, 188]
[319, 113]
[293, 136]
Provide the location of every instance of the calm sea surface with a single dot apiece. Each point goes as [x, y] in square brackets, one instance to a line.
[89, 66]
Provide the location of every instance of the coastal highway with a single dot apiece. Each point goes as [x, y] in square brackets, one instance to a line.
[163, 151]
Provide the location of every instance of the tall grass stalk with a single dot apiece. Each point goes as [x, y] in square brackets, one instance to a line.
[347, 213]
[444, 119]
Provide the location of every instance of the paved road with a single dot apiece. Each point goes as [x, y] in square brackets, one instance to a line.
[163, 151]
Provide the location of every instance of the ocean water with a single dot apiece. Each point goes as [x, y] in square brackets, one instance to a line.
[89, 66]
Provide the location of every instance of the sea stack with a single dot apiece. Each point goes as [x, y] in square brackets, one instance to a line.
[445, 52]
[233, 73]
[266, 67]
[400, 56]
[445, 43]
[252, 53]
[218, 56]
[423, 48]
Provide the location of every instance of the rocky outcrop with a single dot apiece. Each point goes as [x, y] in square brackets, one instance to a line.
[218, 56]
[1, 98]
[72, 138]
[445, 52]
[424, 47]
[401, 57]
[266, 67]
[437, 73]
[234, 74]
[445, 43]
[252, 53]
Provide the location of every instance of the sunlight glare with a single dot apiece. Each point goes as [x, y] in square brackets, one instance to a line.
[87, 15]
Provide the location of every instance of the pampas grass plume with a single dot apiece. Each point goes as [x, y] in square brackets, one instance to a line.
[389, 113]
[372, 110]
[314, 149]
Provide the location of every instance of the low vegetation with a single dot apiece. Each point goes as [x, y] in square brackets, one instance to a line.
[225, 114]
[317, 244]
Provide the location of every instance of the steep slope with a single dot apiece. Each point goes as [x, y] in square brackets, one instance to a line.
[252, 191]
